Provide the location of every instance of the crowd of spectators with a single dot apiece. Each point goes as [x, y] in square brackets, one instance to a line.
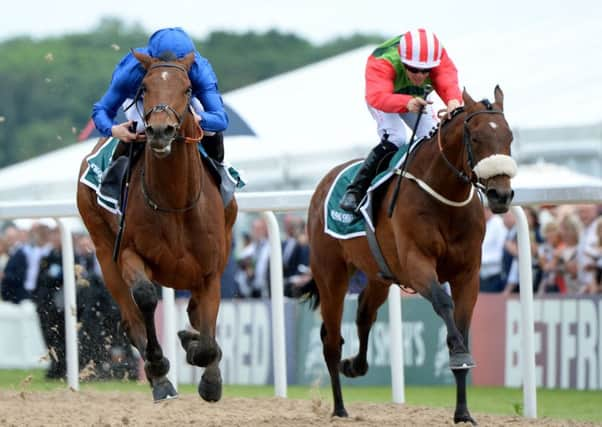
[31, 269]
[566, 250]
[252, 276]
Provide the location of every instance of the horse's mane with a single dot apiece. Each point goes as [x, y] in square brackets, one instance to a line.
[441, 113]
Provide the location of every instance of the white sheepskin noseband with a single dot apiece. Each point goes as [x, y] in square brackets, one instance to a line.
[497, 164]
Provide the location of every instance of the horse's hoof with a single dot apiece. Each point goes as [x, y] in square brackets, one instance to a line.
[461, 361]
[163, 390]
[351, 368]
[340, 412]
[210, 391]
[464, 418]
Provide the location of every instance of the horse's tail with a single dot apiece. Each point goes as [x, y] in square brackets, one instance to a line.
[308, 293]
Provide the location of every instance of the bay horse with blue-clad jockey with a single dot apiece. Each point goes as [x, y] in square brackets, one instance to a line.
[432, 236]
[177, 232]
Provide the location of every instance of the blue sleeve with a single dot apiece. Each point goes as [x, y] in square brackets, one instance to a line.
[126, 78]
[204, 87]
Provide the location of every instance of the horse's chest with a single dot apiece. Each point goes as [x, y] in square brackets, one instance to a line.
[178, 255]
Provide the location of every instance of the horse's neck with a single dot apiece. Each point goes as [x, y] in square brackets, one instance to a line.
[174, 181]
[436, 172]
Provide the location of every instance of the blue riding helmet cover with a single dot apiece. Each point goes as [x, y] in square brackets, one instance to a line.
[170, 39]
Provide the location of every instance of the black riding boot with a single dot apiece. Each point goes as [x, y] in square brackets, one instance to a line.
[356, 190]
[214, 146]
[113, 178]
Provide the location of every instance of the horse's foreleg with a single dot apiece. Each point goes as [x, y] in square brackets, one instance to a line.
[131, 318]
[464, 300]
[202, 348]
[459, 356]
[460, 359]
[143, 291]
[424, 281]
[371, 298]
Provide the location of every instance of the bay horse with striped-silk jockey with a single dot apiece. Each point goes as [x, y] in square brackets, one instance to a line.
[432, 236]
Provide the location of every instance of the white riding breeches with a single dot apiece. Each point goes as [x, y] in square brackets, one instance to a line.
[399, 127]
[135, 112]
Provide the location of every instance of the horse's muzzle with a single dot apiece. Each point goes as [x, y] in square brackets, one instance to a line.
[499, 199]
[160, 137]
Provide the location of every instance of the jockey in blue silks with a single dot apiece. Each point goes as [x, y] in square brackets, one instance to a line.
[207, 103]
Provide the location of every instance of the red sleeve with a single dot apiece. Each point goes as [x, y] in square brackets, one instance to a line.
[380, 78]
[445, 79]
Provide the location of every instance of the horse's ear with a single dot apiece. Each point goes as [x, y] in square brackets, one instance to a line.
[468, 101]
[188, 60]
[499, 96]
[144, 59]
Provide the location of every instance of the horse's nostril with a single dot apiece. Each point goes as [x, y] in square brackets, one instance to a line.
[502, 197]
[170, 131]
[492, 194]
[149, 131]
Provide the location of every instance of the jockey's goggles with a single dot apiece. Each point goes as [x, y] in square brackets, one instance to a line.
[417, 70]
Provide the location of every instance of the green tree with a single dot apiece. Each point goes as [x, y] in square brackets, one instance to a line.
[48, 86]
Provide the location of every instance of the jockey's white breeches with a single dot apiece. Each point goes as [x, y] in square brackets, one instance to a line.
[399, 126]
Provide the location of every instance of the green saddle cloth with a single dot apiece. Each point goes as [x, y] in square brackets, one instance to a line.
[97, 165]
[347, 225]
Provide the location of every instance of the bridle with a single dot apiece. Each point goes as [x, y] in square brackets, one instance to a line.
[466, 140]
[178, 137]
[168, 108]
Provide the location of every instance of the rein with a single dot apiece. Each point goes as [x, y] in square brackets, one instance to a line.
[472, 179]
[154, 206]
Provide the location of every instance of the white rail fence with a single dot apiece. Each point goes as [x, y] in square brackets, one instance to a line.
[267, 203]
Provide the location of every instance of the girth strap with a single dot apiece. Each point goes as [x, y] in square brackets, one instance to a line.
[385, 271]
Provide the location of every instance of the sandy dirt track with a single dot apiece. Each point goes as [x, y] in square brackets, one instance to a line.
[104, 409]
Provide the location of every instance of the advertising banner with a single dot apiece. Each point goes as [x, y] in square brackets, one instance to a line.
[425, 350]
[568, 342]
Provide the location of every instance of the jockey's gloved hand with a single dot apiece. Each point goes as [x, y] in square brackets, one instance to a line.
[452, 105]
[122, 132]
[416, 104]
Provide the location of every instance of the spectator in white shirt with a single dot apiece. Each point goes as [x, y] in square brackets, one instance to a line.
[588, 214]
[492, 250]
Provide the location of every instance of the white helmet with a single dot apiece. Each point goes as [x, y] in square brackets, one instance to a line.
[420, 49]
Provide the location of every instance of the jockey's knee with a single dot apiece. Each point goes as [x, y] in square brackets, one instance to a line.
[214, 146]
[394, 136]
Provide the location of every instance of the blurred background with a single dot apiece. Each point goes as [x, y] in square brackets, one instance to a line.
[292, 76]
